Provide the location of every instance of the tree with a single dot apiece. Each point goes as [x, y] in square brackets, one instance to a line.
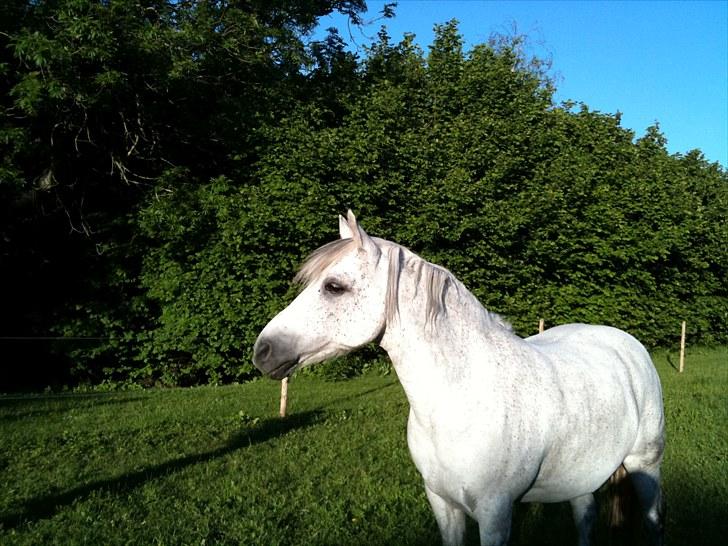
[166, 165]
[106, 107]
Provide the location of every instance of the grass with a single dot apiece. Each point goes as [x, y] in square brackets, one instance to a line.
[216, 466]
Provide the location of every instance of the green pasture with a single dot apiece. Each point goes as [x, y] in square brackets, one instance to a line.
[216, 466]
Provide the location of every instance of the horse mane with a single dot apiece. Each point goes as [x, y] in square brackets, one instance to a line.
[433, 279]
[437, 281]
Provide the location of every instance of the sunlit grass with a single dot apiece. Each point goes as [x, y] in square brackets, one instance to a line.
[217, 466]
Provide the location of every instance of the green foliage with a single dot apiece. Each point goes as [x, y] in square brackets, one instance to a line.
[541, 210]
[165, 166]
[108, 108]
[216, 464]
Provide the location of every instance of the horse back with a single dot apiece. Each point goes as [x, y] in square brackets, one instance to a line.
[585, 350]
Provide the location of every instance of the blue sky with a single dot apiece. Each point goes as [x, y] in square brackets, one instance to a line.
[658, 61]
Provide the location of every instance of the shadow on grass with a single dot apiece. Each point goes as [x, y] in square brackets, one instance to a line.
[696, 515]
[47, 506]
[59, 404]
[693, 517]
[361, 394]
[671, 361]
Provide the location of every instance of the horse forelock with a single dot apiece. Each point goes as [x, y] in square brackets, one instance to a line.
[321, 259]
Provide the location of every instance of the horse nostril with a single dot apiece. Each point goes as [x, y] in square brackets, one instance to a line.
[263, 351]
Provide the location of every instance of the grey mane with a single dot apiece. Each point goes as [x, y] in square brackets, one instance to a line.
[437, 281]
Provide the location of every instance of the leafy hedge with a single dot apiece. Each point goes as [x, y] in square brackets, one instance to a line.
[246, 152]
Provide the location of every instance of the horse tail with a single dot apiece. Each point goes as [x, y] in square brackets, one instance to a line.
[623, 507]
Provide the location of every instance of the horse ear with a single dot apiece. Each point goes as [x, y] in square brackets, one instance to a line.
[344, 229]
[360, 236]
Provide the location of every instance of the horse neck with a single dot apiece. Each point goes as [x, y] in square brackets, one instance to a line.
[432, 355]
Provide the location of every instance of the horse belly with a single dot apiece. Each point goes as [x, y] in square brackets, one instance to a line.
[465, 468]
[569, 483]
[588, 441]
[578, 464]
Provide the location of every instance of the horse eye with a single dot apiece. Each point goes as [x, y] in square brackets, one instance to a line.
[334, 288]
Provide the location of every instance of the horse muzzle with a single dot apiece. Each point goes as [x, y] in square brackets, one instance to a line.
[274, 357]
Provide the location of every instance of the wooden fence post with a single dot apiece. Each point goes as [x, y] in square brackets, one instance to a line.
[682, 348]
[540, 326]
[284, 397]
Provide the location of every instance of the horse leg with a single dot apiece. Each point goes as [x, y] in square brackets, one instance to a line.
[584, 510]
[494, 521]
[450, 519]
[645, 475]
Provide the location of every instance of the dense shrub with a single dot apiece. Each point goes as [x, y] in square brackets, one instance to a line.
[221, 146]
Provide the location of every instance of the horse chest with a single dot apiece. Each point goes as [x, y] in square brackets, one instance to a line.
[436, 459]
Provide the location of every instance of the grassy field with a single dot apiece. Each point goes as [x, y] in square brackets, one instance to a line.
[216, 466]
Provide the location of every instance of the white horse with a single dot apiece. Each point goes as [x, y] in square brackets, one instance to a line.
[494, 418]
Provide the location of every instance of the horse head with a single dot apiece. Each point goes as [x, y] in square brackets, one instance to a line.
[341, 307]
